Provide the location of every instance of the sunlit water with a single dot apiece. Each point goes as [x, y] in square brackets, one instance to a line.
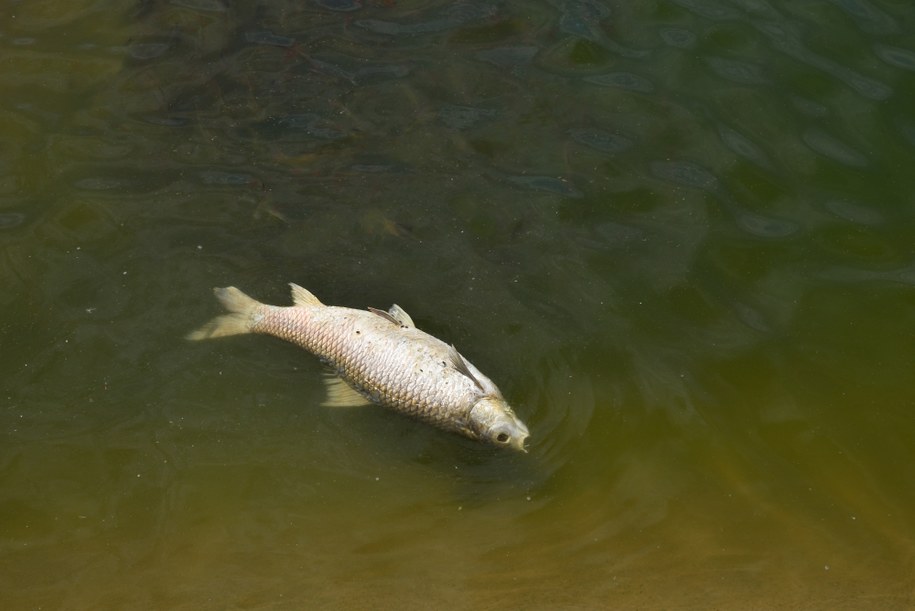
[680, 235]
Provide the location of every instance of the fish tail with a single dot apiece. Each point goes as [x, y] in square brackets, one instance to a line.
[243, 314]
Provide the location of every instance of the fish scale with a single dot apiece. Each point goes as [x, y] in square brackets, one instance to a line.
[381, 357]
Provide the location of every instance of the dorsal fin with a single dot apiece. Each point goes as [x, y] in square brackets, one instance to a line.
[457, 361]
[303, 297]
[402, 317]
[384, 315]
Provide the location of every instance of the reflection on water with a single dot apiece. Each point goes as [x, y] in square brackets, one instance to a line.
[677, 234]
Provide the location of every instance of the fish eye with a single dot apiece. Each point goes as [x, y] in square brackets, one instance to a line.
[502, 438]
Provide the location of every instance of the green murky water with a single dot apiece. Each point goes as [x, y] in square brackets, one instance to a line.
[679, 234]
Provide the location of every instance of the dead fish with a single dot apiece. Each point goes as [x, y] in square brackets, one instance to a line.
[379, 357]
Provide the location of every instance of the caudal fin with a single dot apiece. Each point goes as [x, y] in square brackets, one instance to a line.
[242, 310]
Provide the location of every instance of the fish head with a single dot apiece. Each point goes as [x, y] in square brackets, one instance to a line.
[494, 421]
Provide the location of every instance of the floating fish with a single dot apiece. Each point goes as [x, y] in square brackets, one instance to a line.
[379, 357]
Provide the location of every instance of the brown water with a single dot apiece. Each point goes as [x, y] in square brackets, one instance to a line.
[680, 236]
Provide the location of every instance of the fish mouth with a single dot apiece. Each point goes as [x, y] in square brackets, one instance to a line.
[517, 436]
[511, 436]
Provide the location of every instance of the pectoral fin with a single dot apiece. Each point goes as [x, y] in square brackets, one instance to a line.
[458, 362]
[341, 394]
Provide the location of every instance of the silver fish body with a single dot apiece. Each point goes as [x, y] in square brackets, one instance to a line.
[380, 357]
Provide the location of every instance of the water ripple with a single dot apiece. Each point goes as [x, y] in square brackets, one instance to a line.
[907, 128]
[342, 6]
[743, 146]
[870, 18]
[852, 212]
[564, 403]
[623, 80]
[678, 37]
[9, 220]
[148, 50]
[787, 41]
[737, 71]
[265, 37]
[685, 173]
[311, 124]
[896, 56]
[550, 184]
[101, 183]
[708, 9]
[455, 16]
[215, 177]
[213, 6]
[463, 117]
[831, 147]
[582, 18]
[903, 275]
[765, 226]
[605, 142]
[508, 56]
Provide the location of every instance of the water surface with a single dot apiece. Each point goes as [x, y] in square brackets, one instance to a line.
[678, 234]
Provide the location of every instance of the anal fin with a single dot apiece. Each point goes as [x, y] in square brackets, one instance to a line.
[341, 394]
